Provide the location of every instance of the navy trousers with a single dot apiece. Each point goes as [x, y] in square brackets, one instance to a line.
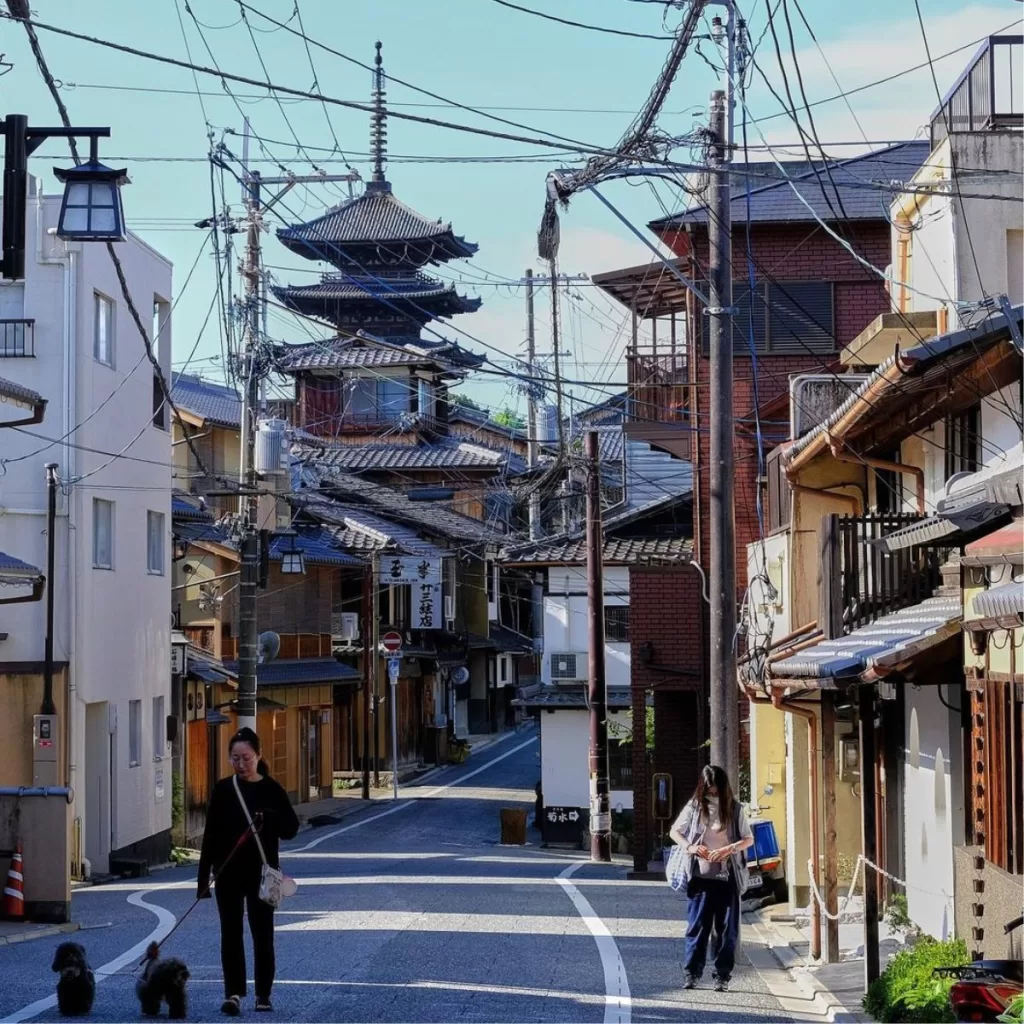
[712, 913]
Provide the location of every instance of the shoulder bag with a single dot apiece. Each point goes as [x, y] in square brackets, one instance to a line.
[274, 885]
[679, 866]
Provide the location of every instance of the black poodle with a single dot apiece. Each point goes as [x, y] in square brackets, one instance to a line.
[76, 987]
[162, 980]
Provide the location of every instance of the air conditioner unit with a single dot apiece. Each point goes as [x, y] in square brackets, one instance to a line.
[345, 626]
[568, 666]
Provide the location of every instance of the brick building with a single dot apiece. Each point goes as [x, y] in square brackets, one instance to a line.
[800, 297]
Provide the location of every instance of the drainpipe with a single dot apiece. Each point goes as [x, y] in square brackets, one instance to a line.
[802, 711]
[894, 467]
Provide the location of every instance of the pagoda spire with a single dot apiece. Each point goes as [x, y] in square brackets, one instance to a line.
[379, 127]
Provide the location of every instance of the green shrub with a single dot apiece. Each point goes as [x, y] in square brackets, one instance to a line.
[909, 991]
[1014, 1012]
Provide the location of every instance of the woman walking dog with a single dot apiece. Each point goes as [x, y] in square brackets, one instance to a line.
[249, 800]
[713, 830]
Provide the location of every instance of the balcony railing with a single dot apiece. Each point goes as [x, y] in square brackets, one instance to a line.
[860, 583]
[17, 338]
[369, 422]
[987, 95]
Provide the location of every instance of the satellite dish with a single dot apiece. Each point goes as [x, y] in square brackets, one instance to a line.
[460, 675]
[267, 646]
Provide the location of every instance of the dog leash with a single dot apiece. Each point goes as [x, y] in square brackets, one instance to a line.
[251, 829]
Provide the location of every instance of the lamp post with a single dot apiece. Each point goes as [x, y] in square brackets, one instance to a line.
[91, 210]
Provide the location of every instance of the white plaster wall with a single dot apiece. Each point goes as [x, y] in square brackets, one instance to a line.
[933, 811]
[566, 627]
[112, 626]
[1000, 414]
[565, 753]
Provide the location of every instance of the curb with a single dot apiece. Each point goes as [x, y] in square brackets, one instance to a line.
[46, 931]
[793, 963]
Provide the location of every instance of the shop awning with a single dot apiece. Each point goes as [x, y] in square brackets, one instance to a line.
[871, 652]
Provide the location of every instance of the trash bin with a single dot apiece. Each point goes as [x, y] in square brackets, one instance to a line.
[513, 826]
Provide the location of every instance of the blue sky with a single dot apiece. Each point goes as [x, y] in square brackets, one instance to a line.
[475, 52]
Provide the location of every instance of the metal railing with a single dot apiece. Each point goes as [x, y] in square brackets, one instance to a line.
[17, 338]
[987, 95]
[860, 583]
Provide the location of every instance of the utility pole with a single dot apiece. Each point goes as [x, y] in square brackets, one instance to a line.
[557, 357]
[374, 665]
[722, 577]
[532, 420]
[369, 656]
[600, 810]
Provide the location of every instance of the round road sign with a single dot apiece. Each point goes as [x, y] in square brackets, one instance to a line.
[391, 642]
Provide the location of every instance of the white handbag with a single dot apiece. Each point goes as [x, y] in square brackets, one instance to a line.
[274, 884]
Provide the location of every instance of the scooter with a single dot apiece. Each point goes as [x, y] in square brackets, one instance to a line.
[985, 988]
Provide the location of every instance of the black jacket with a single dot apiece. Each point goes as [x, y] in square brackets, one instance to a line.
[226, 822]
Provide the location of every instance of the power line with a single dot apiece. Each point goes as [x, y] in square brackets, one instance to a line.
[580, 24]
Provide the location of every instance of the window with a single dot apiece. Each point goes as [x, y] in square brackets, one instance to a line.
[159, 729]
[889, 486]
[159, 406]
[134, 733]
[103, 329]
[616, 623]
[783, 317]
[102, 534]
[392, 398]
[161, 325]
[620, 764]
[155, 543]
[963, 434]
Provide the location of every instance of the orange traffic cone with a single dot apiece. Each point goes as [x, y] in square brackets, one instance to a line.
[14, 890]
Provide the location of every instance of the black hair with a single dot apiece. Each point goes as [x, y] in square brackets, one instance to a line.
[714, 777]
[247, 735]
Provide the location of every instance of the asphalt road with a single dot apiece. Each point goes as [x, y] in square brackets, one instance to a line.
[414, 912]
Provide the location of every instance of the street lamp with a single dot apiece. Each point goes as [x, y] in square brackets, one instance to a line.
[91, 210]
[292, 561]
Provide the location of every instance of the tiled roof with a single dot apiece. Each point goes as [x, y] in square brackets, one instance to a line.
[15, 392]
[447, 453]
[852, 196]
[997, 548]
[1004, 601]
[300, 672]
[318, 547]
[618, 698]
[215, 403]
[886, 642]
[356, 529]
[625, 551]
[12, 568]
[482, 418]
[186, 508]
[376, 217]
[341, 353]
[436, 297]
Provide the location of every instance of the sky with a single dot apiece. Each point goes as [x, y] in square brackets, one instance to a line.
[547, 77]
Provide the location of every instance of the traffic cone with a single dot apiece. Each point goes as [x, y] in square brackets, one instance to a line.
[14, 890]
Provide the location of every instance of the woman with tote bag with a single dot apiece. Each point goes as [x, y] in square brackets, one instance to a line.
[709, 863]
[253, 805]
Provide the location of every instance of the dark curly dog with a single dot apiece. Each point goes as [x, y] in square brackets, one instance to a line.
[162, 981]
[76, 987]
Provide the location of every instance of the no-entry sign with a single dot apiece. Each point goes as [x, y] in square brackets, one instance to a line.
[391, 642]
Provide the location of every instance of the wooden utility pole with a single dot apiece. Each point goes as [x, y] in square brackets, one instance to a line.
[828, 774]
[555, 342]
[722, 575]
[600, 809]
[369, 659]
[869, 829]
[532, 420]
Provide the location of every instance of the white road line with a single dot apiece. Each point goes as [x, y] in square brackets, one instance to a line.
[167, 919]
[165, 922]
[618, 1003]
[409, 802]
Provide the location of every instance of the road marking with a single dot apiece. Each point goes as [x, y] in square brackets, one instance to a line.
[165, 922]
[409, 802]
[618, 1004]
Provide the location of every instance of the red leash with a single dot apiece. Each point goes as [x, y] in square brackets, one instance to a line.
[250, 830]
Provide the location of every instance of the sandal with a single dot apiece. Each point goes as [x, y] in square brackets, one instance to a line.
[232, 1006]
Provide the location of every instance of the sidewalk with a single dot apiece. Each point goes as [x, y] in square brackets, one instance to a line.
[13, 932]
[836, 988]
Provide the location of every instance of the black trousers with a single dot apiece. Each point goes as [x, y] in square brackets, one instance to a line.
[233, 900]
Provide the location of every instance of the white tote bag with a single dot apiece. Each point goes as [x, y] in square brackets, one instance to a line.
[274, 884]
